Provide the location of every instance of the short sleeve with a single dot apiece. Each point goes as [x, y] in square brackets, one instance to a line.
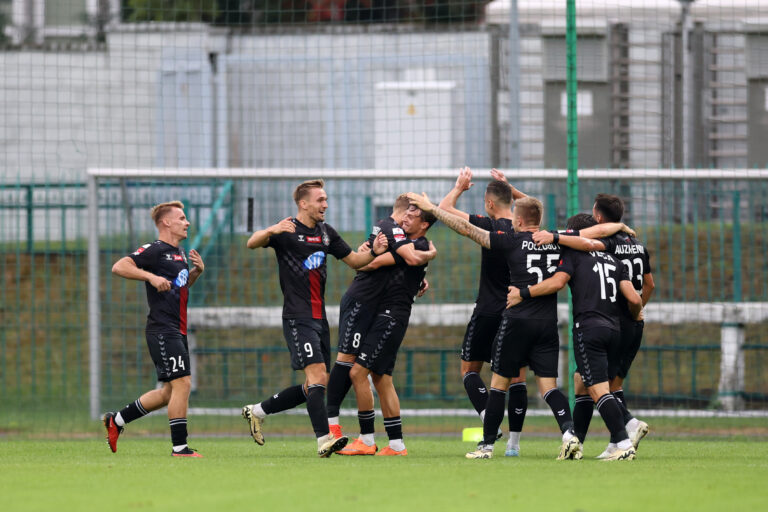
[501, 241]
[396, 237]
[336, 245]
[276, 241]
[609, 243]
[481, 221]
[567, 262]
[145, 256]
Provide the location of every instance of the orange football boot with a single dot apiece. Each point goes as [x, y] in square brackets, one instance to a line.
[389, 451]
[358, 447]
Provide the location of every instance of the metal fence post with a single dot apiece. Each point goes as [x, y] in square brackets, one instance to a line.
[30, 220]
[731, 389]
[94, 320]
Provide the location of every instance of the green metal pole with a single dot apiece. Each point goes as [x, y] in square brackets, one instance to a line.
[30, 220]
[573, 157]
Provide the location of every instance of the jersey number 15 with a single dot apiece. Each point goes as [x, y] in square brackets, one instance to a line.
[605, 269]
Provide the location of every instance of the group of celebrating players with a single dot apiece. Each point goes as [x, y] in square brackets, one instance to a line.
[513, 325]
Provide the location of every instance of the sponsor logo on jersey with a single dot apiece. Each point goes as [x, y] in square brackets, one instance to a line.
[326, 239]
[376, 230]
[178, 257]
[182, 278]
[398, 231]
[141, 249]
[313, 239]
[315, 260]
[399, 238]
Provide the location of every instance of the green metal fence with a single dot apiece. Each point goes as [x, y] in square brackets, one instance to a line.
[707, 240]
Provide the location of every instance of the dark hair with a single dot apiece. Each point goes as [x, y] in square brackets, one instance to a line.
[610, 207]
[581, 221]
[303, 189]
[501, 191]
[427, 217]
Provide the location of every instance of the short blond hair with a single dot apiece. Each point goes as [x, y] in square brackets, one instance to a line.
[303, 189]
[161, 210]
[530, 210]
[401, 203]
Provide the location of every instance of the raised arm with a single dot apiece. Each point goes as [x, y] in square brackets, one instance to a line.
[126, 267]
[456, 223]
[498, 175]
[261, 238]
[463, 183]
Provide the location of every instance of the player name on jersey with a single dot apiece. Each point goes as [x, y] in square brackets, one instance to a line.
[629, 249]
[531, 246]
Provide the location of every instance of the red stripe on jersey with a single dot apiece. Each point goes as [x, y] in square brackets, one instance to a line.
[315, 294]
[183, 295]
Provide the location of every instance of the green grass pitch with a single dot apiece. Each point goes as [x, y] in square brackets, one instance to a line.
[670, 474]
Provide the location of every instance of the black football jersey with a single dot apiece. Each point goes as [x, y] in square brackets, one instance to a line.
[494, 273]
[301, 261]
[167, 310]
[368, 287]
[595, 278]
[635, 257]
[528, 265]
[403, 285]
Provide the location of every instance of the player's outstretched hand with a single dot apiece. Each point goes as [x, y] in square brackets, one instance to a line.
[628, 230]
[498, 175]
[513, 297]
[420, 201]
[161, 284]
[284, 226]
[380, 244]
[364, 247]
[464, 181]
[423, 288]
[196, 260]
[543, 237]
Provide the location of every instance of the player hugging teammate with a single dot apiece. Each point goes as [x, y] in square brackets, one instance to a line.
[606, 267]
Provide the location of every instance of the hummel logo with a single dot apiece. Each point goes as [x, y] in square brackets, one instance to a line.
[363, 355]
